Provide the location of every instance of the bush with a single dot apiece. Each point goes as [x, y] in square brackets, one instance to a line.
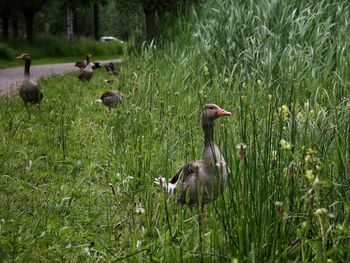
[6, 52]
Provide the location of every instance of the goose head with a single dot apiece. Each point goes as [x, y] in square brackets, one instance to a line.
[24, 56]
[211, 112]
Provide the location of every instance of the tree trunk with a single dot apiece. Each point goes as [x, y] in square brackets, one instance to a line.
[75, 20]
[70, 31]
[96, 21]
[150, 16]
[29, 21]
[14, 23]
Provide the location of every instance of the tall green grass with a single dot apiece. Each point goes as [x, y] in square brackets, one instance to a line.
[72, 175]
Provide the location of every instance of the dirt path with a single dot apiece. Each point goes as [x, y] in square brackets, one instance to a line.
[11, 78]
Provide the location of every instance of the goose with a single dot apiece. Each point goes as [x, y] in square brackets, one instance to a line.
[111, 98]
[110, 68]
[29, 90]
[86, 73]
[201, 181]
[84, 62]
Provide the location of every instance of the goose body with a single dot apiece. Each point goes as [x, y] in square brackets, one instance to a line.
[202, 181]
[86, 73]
[29, 90]
[83, 63]
[112, 98]
[110, 68]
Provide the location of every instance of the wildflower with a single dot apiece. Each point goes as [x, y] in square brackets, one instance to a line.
[284, 111]
[270, 97]
[241, 150]
[226, 81]
[301, 117]
[347, 105]
[321, 211]
[206, 70]
[309, 175]
[312, 113]
[285, 145]
[139, 210]
[311, 151]
[306, 104]
[138, 244]
[316, 183]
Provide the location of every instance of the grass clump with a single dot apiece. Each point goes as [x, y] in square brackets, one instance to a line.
[74, 178]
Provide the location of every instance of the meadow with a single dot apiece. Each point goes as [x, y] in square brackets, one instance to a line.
[77, 184]
[54, 49]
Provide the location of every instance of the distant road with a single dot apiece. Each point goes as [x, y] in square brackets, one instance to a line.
[11, 78]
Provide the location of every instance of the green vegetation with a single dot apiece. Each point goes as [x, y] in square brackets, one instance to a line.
[57, 49]
[72, 174]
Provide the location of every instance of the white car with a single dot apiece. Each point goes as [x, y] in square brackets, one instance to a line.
[110, 38]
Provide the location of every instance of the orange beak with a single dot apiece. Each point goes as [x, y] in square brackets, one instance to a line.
[222, 112]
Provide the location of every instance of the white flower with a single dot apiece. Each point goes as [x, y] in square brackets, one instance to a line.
[321, 211]
[285, 145]
[139, 209]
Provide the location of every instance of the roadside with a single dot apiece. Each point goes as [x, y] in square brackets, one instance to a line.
[11, 78]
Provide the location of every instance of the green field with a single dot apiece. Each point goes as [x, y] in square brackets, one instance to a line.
[47, 50]
[72, 175]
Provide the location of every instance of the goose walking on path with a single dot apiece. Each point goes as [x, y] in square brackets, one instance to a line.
[84, 62]
[29, 90]
[111, 98]
[201, 181]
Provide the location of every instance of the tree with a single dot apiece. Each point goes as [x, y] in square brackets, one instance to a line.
[5, 14]
[152, 10]
[96, 20]
[29, 8]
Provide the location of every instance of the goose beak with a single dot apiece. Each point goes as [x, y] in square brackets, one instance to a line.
[19, 57]
[222, 112]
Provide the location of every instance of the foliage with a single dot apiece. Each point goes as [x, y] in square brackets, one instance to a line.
[74, 178]
[56, 47]
[6, 52]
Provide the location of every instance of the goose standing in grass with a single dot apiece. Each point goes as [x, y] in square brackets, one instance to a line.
[201, 181]
[29, 90]
[110, 68]
[85, 74]
[111, 98]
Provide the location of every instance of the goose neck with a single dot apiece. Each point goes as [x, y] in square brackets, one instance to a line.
[27, 67]
[208, 130]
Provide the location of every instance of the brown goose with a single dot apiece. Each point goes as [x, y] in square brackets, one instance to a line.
[84, 62]
[85, 74]
[110, 68]
[111, 98]
[201, 181]
[29, 90]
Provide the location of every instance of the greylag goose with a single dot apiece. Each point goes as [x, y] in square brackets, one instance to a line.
[201, 181]
[110, 68]
[111, 98]
[84, 62]
[29, 90]
[86, 73]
